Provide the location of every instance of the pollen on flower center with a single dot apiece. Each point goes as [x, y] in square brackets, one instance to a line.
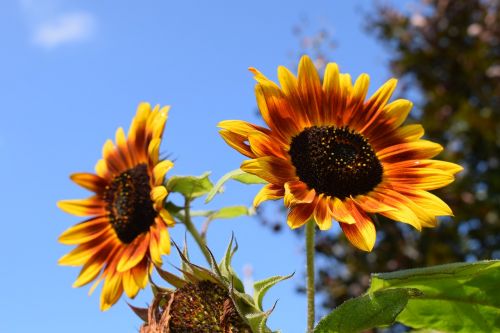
[129, 204]
[335, 161]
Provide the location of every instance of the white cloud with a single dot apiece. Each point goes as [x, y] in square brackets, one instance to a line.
[67, 28]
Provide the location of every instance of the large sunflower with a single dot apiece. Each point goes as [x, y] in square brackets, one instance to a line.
[127, 227]
[332, 155]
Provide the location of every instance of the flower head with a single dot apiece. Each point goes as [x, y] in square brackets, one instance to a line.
[126, 232]
[332, 155]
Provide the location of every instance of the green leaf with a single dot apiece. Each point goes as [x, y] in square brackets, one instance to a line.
[460, 297]
[368, 311]
[238, 175]
[261, 287]
[190, 186]
[231, 212]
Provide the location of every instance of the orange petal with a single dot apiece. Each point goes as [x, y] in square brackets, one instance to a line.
[272, 169]
[354, 111]
[309, 86]
[112, 158]
[140, 273]
[89, 181]
[300, 214]
[94, 266]
[402, 212]
[374, 107]
[154, 246]
[418, 178]
[111, 291]
[237, 142]
[263, 145]
[297, 192]
[334, 99]
[129, 285]
[85, 231]
[411, 132]
[340, 210]
[123, 149]
[371, 205]
[362, 234]
[83, 252]
[322, 213]
[277, 112]
[134, 253]
[82, 207]
[242, 127]
[268, 192]
[421, 149]
[397, 112]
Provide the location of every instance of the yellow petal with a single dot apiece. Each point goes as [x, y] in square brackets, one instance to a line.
[268, 192]
[300, 214]
[272, 169]
[160, 170]
[361, 234]
[297, 192]
[89, 181]
[85, 231]
[82, 207]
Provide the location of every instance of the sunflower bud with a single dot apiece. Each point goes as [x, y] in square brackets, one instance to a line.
[207, 301]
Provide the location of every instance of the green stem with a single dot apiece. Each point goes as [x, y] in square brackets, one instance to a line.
[310, 229]
[194, 232]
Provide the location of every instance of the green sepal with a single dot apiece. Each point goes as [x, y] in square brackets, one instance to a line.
[238, 175]
[368, 311]
[261, 287]
[190, 187]
[226, 269]
[258, 320]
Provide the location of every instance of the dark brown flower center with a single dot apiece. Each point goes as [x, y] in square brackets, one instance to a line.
[129, 204]
[335, 161]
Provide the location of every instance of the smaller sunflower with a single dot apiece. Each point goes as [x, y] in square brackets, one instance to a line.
[334, 156]
[127, 229]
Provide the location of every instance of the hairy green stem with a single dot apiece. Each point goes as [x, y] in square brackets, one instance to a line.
[310, 229]
[194, 232]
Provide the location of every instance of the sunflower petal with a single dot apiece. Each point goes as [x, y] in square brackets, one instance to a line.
[129, 285]
[297, 192]
[237, 142]
[300, 214]
[134, 253]
[268, 192]
[82, 207]
[362, 234]
[111, 291]
[89, 181]
[85, 231]
[272, 169]
[160, 170]
[322, 213]
[340, 210]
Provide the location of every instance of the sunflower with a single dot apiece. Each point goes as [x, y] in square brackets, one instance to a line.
[126, 232]
[331, 155]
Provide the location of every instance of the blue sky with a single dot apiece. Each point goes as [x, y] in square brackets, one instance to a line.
[71, 72]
